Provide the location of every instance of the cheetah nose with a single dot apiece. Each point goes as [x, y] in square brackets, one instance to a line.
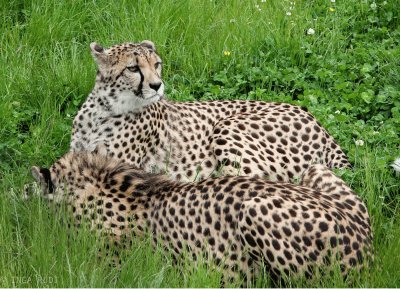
[156, 86]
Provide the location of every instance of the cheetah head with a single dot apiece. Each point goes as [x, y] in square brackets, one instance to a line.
[129, 76]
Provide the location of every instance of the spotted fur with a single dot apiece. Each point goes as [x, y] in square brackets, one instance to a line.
[238, 222]
[194, 139]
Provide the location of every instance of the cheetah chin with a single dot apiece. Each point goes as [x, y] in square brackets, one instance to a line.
[128, 102]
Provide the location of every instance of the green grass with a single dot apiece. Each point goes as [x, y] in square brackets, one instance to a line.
[347, 74]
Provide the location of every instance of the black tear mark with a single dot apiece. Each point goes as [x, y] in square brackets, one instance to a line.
[140, 86]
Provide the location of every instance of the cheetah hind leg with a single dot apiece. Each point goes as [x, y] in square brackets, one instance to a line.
[240, 152]
[236, 154]
[319, 177]
[261, 258]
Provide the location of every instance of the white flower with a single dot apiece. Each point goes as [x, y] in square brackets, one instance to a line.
[232, 20]
[257, 6]
[263, 1]
[310, 31]
[373, 6]
[337, 112]
[333, 1]
[396, 165]
[375, 132]
[259, 9]
[384, 2]
[359, 142]
[288, 13]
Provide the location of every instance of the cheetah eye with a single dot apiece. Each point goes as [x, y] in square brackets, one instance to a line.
[157, 65]
[134, 68]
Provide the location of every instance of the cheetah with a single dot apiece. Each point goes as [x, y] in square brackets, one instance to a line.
[127, 116]
[238, 222]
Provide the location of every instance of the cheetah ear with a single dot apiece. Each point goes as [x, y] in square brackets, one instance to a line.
[35, 171]
[98, 53]
[148, 44]
[43, 177]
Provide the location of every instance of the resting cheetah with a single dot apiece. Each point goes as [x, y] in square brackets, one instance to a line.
[125, 116]
[236, 221]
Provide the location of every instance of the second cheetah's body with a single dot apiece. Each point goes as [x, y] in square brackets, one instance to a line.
[238, 221]
[193, 139]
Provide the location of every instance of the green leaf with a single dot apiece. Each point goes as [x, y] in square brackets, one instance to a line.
[366, 68]
[367, 96]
